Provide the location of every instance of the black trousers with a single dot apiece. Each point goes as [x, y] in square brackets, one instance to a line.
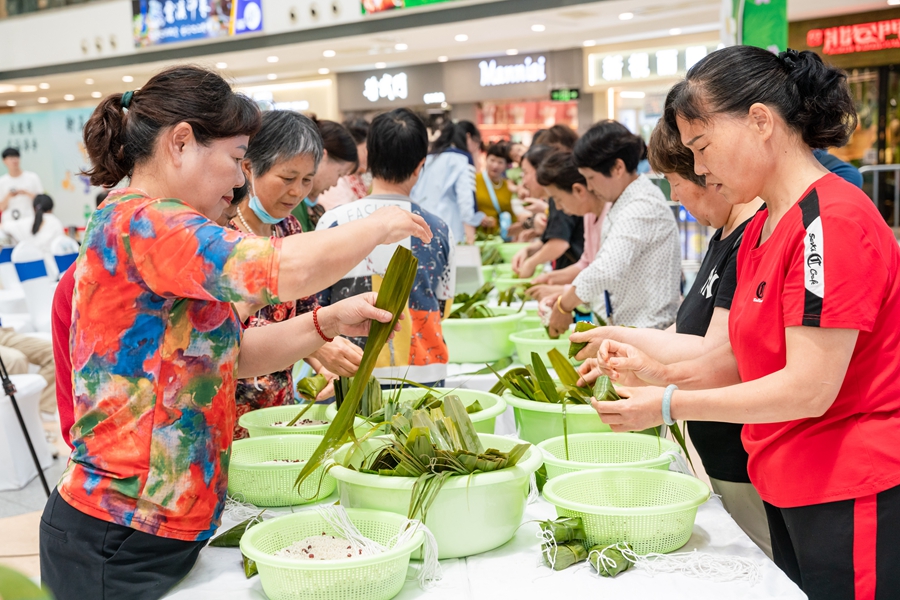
[84, 558]
[845, 550]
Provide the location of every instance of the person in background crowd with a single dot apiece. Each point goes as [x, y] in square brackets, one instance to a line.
[18, 188]
[811, 365]
[493, 195]
[397, 150]
[340, 158]
[280, 165]
[355, 186]
[446, 187]
[562, 241]
[156, 344]
[19, 352]
[561, 136]
[842, 169]
[701, 324]
[40, 230]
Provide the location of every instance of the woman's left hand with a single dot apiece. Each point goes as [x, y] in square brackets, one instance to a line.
[351, 317]
[340, 357]
[559, 321]
[539, 291]
[639, 409]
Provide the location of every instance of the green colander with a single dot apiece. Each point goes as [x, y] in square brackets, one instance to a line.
[605, 450]
[471, 514]
[378, 577]
[482, 340]
[259, 422]
[484, 420]
[273, 485]
[652, 510]
[504, 271]
[508, 250]
[539, 421]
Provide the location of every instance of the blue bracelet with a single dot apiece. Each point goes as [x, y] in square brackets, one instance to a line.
[667, 405]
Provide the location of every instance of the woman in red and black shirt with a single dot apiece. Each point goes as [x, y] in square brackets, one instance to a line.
[814, 325]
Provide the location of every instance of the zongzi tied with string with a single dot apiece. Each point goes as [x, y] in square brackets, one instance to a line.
[609, 561]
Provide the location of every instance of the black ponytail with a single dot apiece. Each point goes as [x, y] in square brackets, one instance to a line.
[812, 97]
[42, 204]
[605, 143]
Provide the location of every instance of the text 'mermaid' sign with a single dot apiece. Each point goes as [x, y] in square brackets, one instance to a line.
[528, 71]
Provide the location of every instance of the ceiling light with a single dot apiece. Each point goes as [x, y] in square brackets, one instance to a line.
[96, 95]
[272, 59]
[401, 46]
[893, 2]
[89, 81]
[677, 30]
[626, 16]
[324, 71]
[633, 95]
[271, 76]
[589, 43]
[68, 97]
[512, 52]
[42, 100]
[10, 102]
[380, 65]
[221, 65]
[127, 78]
[329, 53]
[27, 88]
[461, 37]
[44, 86]
[538, 28]
[443, 59]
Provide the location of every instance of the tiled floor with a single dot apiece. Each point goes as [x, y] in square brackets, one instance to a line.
[20, 513]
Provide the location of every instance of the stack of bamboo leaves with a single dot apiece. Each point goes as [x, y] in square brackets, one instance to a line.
[472, 306]
[533, 382]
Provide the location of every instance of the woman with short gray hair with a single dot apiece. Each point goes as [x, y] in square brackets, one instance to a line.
[280, 164]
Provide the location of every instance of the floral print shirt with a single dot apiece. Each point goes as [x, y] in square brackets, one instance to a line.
[154, 345]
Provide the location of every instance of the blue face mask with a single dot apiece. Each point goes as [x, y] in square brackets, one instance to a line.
[260, 212]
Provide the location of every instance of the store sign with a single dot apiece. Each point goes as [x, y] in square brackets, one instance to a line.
[649, 64]
[565, 94]
[170, 21]
[391, 87]
[528, 71]
[376, 6]
[862, 37]
[434, 98]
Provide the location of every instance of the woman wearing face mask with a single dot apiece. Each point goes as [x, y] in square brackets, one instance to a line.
[340, 158]
[700, 326]
[813, 327]
[281, 164]
[156, 343]
[635, 277]
[446, 187]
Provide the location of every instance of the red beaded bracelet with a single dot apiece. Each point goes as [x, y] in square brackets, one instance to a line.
[318, 327]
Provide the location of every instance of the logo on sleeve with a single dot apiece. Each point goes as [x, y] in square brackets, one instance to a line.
[760, 290]
[813, 270]
[707, 288]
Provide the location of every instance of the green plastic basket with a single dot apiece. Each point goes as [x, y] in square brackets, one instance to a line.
[508, 251]
[484, 420]
[652, 510]
[539, 421]
[482, 340]
[378, 577]
[273, 485]
[494, 243]
[470, 515]
[604, 451]
[505, 271]
[259, 422]
[537, 340]
[530, 322]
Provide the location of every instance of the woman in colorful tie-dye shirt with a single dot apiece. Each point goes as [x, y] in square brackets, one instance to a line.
[156, 344]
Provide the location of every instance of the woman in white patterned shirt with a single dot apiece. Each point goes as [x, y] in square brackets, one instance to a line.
[635, 278]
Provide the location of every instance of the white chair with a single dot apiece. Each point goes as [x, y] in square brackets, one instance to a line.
[8, 276]
[65, 251]
[16, 465]
[37, 285]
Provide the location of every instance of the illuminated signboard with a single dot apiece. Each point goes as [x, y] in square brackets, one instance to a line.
[391, 87]
[528, 71]
[170, 21]
[862, 37]
[377, 6]
[565, 94]
[616, 67]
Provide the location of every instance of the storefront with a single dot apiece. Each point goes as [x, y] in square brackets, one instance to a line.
[867, 46]
[630, 81]
[308, 96]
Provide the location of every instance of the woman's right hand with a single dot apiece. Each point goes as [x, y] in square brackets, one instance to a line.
[520, 257]
[340, 357]
[351, 317]
[626, 365]
[397, 224]
[541, 291]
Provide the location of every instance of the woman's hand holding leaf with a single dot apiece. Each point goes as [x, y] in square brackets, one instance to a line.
[398, 224]
[626, 365]
[340, 357]
[639, 409]
[352, 317]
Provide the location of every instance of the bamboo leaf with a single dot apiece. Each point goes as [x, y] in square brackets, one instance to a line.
[580, 327]
[544, 381]
[676, 433]
[564, 369]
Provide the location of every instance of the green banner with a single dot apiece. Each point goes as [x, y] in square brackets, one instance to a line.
[376, 6]
[762, 23]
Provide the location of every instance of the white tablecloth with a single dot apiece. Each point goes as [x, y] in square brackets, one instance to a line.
[513, 571]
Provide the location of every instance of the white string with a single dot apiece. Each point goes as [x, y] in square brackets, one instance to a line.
[430, 572]
[549, 548]
[533, 493]
[338, 519]
[699, 565]
[238, 509]
[678, 464]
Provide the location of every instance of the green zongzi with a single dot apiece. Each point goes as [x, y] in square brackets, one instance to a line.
[609, 561]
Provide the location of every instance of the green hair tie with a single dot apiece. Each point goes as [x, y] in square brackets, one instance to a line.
[126, 99]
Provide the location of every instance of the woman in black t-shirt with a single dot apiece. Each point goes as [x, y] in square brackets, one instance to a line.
[701, 326]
